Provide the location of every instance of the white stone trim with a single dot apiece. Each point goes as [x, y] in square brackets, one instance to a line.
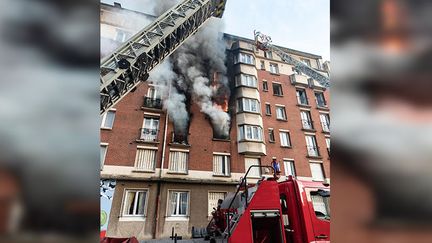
[147, 147]
[151, 114]
[179, 150]
[221, 153]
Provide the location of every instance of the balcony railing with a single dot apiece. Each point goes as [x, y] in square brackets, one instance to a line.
[307, 124]
[325, 126]
[313, 151]
[152, 103]
[149, 134]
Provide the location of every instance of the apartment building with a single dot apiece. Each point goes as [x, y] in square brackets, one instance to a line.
[160, 180]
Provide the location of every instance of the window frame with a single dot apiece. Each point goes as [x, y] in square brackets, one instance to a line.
[268, 111]
[291, 166]
[284, 118]
[321, 169]
[102, 161]
[278, 85]
[154, 149]
[238, 58]
[244, 132]
[271, 134]
[265, 86]
[104, 119]
[315, 145]
[299, 102]
[210, 210]
[242, 79]
[168, 210]
[226, 161]
[245, 102]
[276, 68]
[308, 119]
[323, 98]
[124, 200]
[288, 138]
[170, 171]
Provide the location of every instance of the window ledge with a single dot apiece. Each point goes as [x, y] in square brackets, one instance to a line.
[176, 173]
[132, 218]
[152, 109]
[106, 128]
[177, 218]
[143, 171]
[279, 119]
[244, 63]
[303, 105]
[221, 140]
[272, 141]
[217, 175]
[180, 145]
[324, 108]
[250, 112]
[277, 74]
[314, 157]
[289, 147]
[145, 141]
[250, 141]
[277, 95]
[308, 130]
[265, 90]
[326, 132]
[245, 86]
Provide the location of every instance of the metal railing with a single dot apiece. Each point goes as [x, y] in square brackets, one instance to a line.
[154, 103]
[313, 151]
[307, 124]
[243, 182]
[149, 134]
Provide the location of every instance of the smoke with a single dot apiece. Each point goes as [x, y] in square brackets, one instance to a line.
[161, 6]
[188, 72]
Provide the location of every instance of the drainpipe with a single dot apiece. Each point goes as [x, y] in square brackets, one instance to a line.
[158, 193]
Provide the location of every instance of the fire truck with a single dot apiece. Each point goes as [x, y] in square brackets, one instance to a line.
[273, 211]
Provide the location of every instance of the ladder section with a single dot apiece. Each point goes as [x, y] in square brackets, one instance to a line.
[263, 42]
[121, 71]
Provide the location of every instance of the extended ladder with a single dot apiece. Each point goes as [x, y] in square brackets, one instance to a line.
[263, 42]
[121, 71]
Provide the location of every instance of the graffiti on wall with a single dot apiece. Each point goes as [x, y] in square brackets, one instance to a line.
[107, 187]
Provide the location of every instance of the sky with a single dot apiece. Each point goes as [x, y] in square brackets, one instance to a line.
[302, 25]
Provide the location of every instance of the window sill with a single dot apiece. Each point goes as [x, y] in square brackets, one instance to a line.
[180, 145]
[143, 171]
[308, 129]
[132, 218]
[250, 141]
[245, 63]
[106, 128]
[326, 132]
[304, 105]
[245, 86]
[314, 156]
[324, 108]
[221, 140]
[250, 112]
[145, 141]
[217, 175]
[265, 90]
[152, 109]
[176, 173]
[272, 141]
[288, 147]
[277, 74]
[177, 218]
[279, 119]
[277, 95]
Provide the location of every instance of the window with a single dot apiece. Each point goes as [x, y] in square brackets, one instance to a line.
[268, 109]
[321, 203]
[265, 86]
[145, 159]
[306, 120]
[285, 139]
[301, 97]
[317, 171]
[271, 135]
[268, 54]
[246, 104]
[178, 203]
[150, 129]
[153, 93]
[244, 58]
[262, 65]
[134, 203]
[254, 172]
[250, 132]
[277, 89]
[320, 100]
[103, 151]
[221, 164]
[274, 68]
[213, 198]
[280, 113]
[306, 61]
[311, 145]
[178, 161]
[246, 80]
[289, 168]
[325, 122]
[153, 100]
[328, 145]
[108, 119]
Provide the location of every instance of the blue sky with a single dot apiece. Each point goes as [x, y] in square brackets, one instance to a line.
[298, 24]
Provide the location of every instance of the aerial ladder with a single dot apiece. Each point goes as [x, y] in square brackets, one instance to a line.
[263, 42]
[122, 70]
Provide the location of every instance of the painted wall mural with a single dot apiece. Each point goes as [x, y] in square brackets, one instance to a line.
[107, 187]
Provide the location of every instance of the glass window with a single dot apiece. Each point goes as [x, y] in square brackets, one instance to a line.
[325, 122]
[301, 97]
[321, 203]
[289, 168]
[306, 119]
[246, 104]
[268, 54]
[311, 145]
[317, 171]
[108, 119]
[213, 198]
[274, 68]
[320, 99]
[246, 80]
[178, 204]
[277, 89]
[150, 129]
[250, 132]
[328, 145]
[244, 58]
[285, 139]
[221, 164]
[103, 151]
[265, 86]
[145, 159]
[268, 109]
[254, 172]
[280, 113]
[178, 161]
[262, 65]
[306, 61]
[271, 136]
[134, 203]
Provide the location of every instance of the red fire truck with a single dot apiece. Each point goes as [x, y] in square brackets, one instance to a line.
[272, 211]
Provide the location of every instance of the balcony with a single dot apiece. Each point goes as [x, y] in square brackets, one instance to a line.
[299, 79]
[153, 103]
[325, 127]
[149, 135]
[313, 151]
[307, 124]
